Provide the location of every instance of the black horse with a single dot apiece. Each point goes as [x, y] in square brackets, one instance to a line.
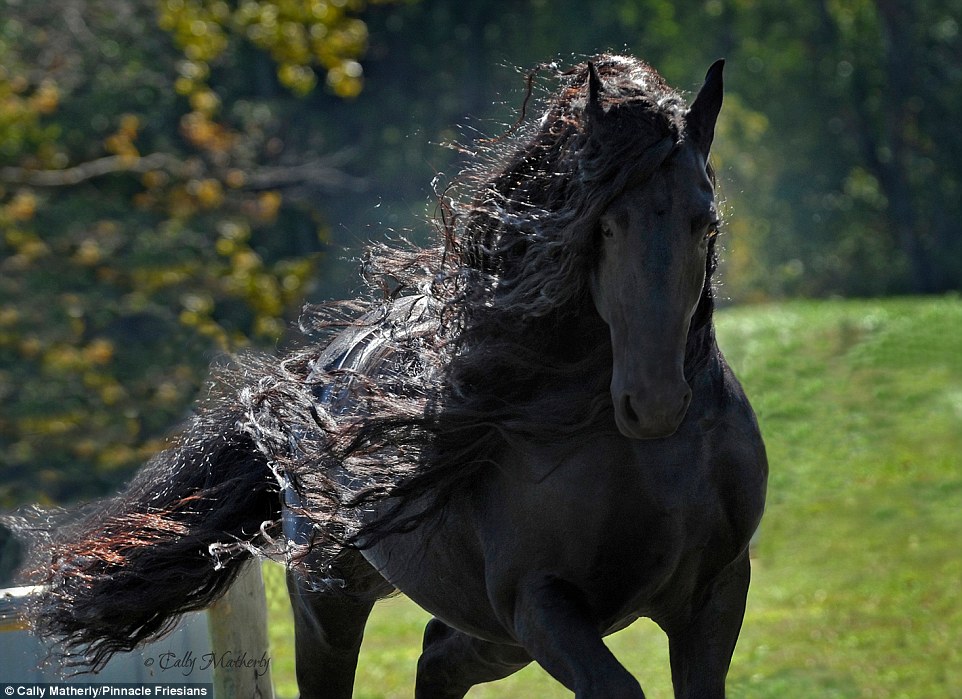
[532, 432]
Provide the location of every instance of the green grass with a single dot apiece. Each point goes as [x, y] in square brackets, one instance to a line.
[857, 583]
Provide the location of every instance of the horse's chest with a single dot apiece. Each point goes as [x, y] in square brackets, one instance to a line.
[617, 527]
[627, 529]
[606, 535]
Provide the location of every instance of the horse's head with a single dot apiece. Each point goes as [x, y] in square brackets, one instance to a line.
[651, 273]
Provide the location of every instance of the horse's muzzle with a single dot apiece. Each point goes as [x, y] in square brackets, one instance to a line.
[652, 414]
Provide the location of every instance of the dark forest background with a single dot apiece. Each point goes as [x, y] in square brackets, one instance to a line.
[178, 176]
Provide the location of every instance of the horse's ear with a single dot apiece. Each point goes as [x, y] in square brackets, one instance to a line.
[593, 111]
[700, 122]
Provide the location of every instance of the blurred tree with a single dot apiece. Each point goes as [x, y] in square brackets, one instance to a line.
[162, 189]
[153, 212]
[855, 185]
[905, 86]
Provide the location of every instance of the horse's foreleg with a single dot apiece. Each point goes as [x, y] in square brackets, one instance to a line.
[555, 625]
[701, 650]
[329, 626]
[452, 662]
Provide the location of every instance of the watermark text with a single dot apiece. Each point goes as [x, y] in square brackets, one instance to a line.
[187, 662]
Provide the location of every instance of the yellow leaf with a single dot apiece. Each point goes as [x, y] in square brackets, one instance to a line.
[99, 351]
[23, 206]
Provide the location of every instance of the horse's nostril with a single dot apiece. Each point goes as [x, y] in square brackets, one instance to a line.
[629, 411]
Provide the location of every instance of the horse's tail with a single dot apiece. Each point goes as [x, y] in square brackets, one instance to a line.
[172, 542]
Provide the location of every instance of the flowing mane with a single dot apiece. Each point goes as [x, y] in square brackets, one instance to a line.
[489, 339]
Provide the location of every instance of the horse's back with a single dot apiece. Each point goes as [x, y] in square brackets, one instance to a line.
[366, 345]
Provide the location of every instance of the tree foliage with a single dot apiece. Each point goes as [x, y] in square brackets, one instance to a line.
[151, 214]
[168, 169]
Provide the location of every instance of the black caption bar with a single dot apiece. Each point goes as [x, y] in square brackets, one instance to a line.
[105, 689]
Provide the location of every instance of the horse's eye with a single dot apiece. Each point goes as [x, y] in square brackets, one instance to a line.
[710, 231]
[606, 229]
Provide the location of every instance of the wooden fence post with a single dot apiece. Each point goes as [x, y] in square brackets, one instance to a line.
[238, 634]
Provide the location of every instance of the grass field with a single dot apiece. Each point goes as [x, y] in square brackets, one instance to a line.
[857, 587]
